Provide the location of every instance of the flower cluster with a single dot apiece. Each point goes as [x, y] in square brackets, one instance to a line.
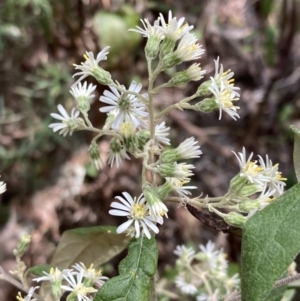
[204, 274]
[80, 282]
[261, 175]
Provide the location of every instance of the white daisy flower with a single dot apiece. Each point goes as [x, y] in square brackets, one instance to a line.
[68, 123]
[183, 251]
[174, 29]
[83, 91]
[76, 285]
[90, 67]
[29, 295]
[252, 171]
[195, 72]
[178, 187]
[93, 276]
[127, 107]
[188, 49]
[215, 259]
[137, 212]
[186, 150]
[149, 30]
[161, 134]
[116, 153]
[55, 275]
[224, 99]
[186, 288]
[180, 171]
[189, 149]
[225, 77]
[2, 187]
[273, 175]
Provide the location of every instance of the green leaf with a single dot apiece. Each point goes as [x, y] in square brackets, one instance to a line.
[39, 269]
[135, 270]
[296, 155]
[89, 245]
[271, 240]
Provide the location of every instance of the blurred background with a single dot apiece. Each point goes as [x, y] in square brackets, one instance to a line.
[51, 183]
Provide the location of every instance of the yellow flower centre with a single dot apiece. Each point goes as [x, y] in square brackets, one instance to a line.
[86, 57]
[127, 129]
[252, 168]
[138, 211]
[226, 99]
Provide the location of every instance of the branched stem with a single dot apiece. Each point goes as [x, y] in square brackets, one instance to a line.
[174, 106]
[6, 277]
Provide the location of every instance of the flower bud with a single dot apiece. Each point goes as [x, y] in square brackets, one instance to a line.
[156, 206]
[102, 76]
[234, 219]
[248, 190]
[152, 47]
[180, 171]
[131, 144]
[167, 47]
[248, 205]
[170, 60]
[203, 89]
[207, 105]
[22, 245]
[143, 137]
[165, 189]
[95, 155]
[237, 183]
[83, 104]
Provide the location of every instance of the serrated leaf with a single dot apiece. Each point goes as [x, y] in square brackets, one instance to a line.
[95, 245]
[271, 240]
[39, 270]
[296, 154]
[135, 270]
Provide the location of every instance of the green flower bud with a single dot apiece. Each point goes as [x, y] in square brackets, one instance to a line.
[170, 156]
[156, 206]
[248, 190]
[152, 47]
[207, 105]
[83, 104]
[22, 245]
[170, 60]
[102, 76]
[143, 137]
[237, 183]
[165, 189]
[115, 145]
[167, 47]
[95, 155]
[247, 206]
[131, 144]
[234, 219]
[203, 89]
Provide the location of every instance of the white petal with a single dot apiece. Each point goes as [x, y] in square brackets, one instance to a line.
[118, 212]
[124, 226]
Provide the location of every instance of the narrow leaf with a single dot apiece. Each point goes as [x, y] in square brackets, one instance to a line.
[296, 155]
[135, 270]
[271, 240]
